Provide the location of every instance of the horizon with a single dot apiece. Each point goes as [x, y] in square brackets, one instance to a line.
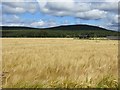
[39, 14]
[56, 26]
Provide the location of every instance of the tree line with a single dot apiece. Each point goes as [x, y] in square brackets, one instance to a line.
[57, 33]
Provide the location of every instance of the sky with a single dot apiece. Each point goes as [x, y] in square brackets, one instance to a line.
[51, 13]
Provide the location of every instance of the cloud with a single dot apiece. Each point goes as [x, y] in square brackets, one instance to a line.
[40, 23]
[55, 5]
[44, 23]
[85, 10]
[51, 23]
[112, 1]
[12, 10]
[73, 8]
[115, 20]
[107, 6]
[13, 24]
[18, 0]
[103, 10]
[97, 0]
[61, 7]
[19, 7]
[90, 11]
[11, 19]
[93, 14]
[111, 22]
[112, 26]
[65, 22]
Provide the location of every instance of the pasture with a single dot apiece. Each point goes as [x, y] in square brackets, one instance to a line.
[59, 63]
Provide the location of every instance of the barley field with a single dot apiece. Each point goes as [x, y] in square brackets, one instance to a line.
[59, 63]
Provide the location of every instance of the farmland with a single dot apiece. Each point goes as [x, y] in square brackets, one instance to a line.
[59, 63]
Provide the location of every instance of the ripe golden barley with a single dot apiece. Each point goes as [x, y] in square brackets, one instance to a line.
[64, 63]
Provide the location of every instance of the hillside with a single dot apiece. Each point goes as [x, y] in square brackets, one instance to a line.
[59, 31]
[64, 27]
[76, 27]
[17, 28]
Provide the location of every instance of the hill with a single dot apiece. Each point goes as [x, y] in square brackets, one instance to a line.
[59, 31]
[64, 27]
[76, 27]
[17, 28]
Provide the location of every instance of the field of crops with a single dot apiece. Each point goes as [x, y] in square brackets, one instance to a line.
[59, 63]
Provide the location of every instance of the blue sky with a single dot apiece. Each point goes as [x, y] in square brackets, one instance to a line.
[50, 13]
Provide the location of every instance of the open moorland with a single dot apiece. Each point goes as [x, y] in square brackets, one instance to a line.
[59, 63]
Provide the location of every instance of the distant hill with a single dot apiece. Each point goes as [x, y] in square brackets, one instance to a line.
[17, 28]
[76, 27]
[64, 27]
[59, 31]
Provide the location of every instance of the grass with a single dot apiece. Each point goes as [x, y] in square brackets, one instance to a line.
[59, 63]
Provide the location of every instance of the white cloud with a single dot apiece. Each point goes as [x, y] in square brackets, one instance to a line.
[51, 23]
[18, 0]
[93, 14]
[13, 24]
[78, 9]
[62, 8]
[40, 23]
[55, 5]
[107, 6]
[16, 17]
[44, 23]
[11, 19]
[111, 0]
[80, 0]
[65, 22]
[100, 9]
[115, 19]
[110, 22]
[81, 7]
[12, 10]
[19, 7]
